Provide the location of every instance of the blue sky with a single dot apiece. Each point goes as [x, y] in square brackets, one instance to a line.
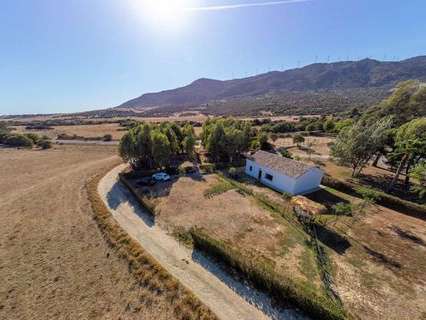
[74, 55]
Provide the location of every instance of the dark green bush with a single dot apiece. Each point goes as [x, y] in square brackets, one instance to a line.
[18, 140]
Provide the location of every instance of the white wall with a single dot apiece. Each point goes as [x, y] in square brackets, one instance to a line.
[310, 181]
[307, 182]
[279, 181]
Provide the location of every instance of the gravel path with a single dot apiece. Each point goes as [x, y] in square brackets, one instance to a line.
[227, 297]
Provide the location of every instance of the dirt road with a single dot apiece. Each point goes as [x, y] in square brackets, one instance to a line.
[54, 262]
[225, 296]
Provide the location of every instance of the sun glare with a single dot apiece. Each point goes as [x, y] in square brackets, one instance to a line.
[166, 13]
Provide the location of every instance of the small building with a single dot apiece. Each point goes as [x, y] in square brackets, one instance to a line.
[283, 174]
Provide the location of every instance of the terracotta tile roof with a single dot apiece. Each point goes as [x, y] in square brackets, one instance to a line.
[288, 167]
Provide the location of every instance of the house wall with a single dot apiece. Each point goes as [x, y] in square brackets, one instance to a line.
[310, 181]
[307, 182]
[279, 182]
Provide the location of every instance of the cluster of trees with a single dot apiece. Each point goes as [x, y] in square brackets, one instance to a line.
[151, 146]
[26, 140]
[323, 124]
[225, 139]
[395, 129]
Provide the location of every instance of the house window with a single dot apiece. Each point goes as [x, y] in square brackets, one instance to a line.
[268, 176]
[251, 168]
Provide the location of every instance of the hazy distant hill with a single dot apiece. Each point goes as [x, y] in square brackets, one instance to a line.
[320, 85]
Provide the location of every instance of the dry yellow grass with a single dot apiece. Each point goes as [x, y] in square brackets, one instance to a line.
[54, 261]
[237, 220]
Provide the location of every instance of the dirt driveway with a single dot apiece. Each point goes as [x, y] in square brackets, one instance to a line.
[226, 297]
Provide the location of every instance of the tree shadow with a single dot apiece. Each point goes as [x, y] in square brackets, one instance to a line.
[326, 198]
[407, 235]
[119, 194]
[332, 239]
[382, 259]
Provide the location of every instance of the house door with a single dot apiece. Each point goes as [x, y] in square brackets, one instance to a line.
[259, 175]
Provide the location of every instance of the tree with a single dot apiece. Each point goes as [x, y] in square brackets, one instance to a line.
[262, 141]
[339, 125]
[328, 125]
[188, 145]
[410, 142]
[298, 139]
[144, 145]
[161, 150]
[216, 142]
[356, 145]
[419, 173]
[311, 127]
[127, 148]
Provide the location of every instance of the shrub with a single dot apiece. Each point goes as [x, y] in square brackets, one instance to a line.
[368, 194]
[34, 137]
[18, 140]
[342, 209]
[232, 172]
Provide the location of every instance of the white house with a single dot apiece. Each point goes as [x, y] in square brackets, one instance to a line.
[283, 174]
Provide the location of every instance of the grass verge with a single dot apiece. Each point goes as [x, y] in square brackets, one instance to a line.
[149, 273]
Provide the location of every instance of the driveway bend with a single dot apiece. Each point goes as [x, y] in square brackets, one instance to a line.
[227, 297]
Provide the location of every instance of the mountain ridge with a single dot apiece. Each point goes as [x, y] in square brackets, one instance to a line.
[316, 77]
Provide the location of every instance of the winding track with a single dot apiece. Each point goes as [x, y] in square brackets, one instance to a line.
[191, 268]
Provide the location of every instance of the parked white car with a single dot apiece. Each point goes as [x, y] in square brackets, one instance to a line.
[161, 176]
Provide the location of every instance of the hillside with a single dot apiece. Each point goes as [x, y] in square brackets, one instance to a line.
[328, 86]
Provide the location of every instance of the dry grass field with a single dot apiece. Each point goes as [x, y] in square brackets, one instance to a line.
[88, 131]
[378, 255]
[238, 220]
[54, 262]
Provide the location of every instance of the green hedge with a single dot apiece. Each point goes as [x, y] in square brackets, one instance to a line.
[385, 200]
[262, 275]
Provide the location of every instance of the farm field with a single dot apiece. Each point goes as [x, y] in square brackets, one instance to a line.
[377, 256]
[88, 131]
[54, 262]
